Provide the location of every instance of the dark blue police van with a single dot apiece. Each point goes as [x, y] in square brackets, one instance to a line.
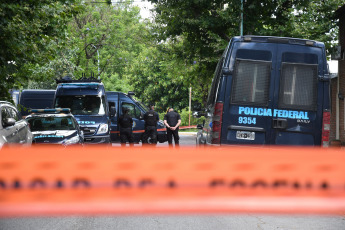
[136, 111]
[35, 99]
[269, 91]
[88, 103]
[97, 111]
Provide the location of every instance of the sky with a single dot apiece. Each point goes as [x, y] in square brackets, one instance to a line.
[144, 5]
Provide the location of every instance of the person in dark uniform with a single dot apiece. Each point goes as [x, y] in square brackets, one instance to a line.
[172, 121]
[126, 123]
[150, 118]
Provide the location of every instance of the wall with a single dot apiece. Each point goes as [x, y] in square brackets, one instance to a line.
[340, 13]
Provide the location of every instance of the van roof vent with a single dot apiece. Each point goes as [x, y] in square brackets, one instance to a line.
[68, 79]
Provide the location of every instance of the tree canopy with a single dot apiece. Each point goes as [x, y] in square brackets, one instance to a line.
[30, 32]
[159, 59]
[206, 26]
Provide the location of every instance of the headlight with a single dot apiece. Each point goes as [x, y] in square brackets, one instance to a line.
[103, 129]
[73, 140]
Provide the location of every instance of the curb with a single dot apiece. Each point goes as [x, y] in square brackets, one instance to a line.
[187, 133]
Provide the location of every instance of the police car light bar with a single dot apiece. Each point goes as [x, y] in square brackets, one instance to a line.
[57, 110]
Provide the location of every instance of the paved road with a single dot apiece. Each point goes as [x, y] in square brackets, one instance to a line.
[186, 139]
[190, 222]
[185, 222]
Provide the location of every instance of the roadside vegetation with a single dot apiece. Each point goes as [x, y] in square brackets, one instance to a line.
[159, 59]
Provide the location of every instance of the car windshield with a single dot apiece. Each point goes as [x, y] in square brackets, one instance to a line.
[82, 105]
[50, 123]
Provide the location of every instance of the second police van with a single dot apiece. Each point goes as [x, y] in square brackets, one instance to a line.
[269, 91]
[87, 101]
[136, 111]
[97, 111]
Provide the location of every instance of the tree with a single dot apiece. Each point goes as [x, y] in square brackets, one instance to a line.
[111, 34]
[207, 25]
[161, 76]
[28, 30]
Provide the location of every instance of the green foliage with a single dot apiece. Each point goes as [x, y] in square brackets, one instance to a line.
[206, 26]
[107, 38]
[184, 113]
[28, 30]
[161, 76]
[159, 60]
[316, 21]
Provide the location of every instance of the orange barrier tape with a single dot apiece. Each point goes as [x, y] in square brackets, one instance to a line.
[48, 180]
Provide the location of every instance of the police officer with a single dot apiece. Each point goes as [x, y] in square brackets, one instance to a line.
[150, 118]
[172, 121]
[126, 123]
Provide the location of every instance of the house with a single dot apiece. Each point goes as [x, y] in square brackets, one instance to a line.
[337, 134]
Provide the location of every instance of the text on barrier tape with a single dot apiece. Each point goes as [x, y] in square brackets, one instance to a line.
[102, 180]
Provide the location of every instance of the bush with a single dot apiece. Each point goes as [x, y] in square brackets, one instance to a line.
[185, 118]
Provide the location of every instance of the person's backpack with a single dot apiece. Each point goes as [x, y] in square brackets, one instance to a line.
[151, 119]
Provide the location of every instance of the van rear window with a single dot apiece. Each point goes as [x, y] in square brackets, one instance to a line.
[251, 82]
[250, 54]
[298, 86]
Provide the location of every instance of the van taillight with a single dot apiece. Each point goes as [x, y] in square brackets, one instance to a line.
[217, 123]
[326, 127]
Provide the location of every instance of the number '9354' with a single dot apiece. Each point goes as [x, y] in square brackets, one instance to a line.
[247, 120]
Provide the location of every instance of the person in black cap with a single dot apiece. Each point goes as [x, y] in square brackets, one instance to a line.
[126, 124]
[172, 121]
[150, 118]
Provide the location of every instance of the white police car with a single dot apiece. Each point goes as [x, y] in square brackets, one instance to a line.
[54, 126]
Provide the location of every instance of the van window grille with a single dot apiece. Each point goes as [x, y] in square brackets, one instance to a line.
[298, 86]
[251, 82]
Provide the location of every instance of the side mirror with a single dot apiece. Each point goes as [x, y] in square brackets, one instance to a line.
[9, 122]
[112, 109]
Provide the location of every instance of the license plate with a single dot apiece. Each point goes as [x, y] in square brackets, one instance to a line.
[244, 135]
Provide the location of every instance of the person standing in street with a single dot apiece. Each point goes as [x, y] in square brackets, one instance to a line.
[126, 124]
[151, 118]
[172, 121]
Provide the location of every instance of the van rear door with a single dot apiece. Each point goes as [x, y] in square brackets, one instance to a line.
[274, 96]
[298, 96]
[247, 118]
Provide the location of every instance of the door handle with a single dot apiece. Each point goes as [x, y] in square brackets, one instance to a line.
[279, 123]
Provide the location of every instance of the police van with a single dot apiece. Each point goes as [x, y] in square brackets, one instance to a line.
[97, 111]
[35, 99]
[87, 101]
[269, 91]
[136, 110]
